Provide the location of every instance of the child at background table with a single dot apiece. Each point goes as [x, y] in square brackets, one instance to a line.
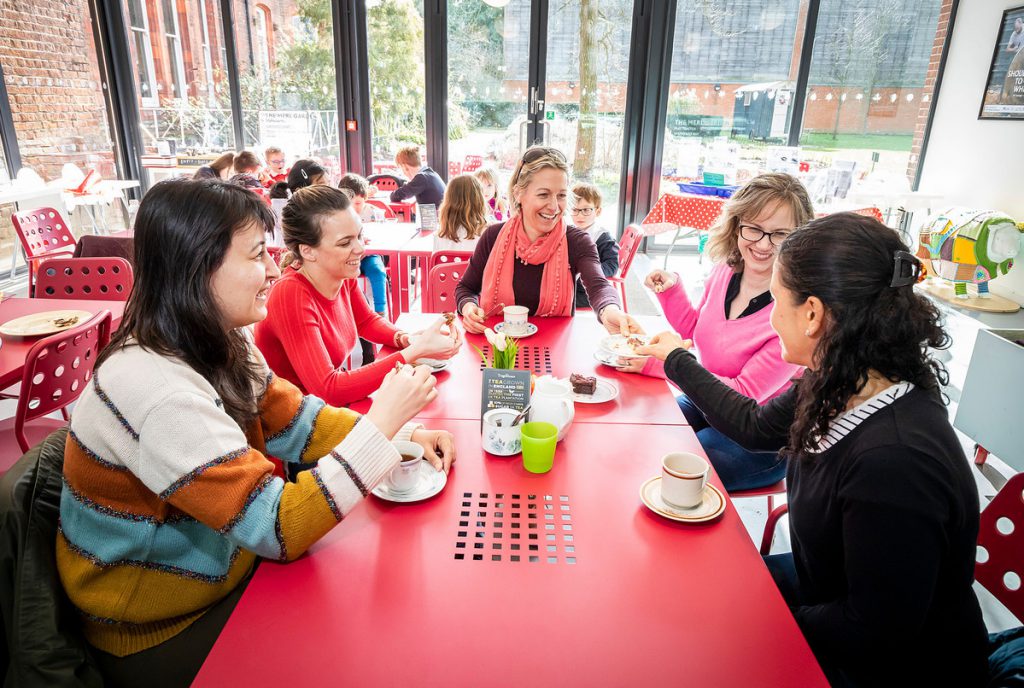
[372, 267]
[246, 167]
[497, 207]
[275, 170]
[586, 209]
[221, 168]
[463, 215]
[424, 183]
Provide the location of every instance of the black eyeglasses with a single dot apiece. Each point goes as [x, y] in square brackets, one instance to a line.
[755, 234]
[585, 212]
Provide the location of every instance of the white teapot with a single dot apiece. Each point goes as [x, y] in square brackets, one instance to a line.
[552, 402]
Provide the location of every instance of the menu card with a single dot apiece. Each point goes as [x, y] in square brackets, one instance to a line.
[505, 389]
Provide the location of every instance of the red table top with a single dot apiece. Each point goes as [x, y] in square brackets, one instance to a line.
[616, 595]
[14, 349]
[685, 210]
[570, 344]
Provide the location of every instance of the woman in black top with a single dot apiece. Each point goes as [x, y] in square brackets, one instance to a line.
[883, 508]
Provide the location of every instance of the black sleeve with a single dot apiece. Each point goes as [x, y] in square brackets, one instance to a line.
[757, 428]
[893, 546]
[608, 254]
[414, 186]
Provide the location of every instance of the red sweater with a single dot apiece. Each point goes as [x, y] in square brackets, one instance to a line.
[307, 338]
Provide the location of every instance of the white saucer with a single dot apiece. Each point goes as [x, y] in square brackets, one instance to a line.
[609, 359]
[605, 391]
[436, 365]
[616, 344]
[428, 483]
[531, 330]
[711, 506]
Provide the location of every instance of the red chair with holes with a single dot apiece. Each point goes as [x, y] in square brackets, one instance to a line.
[43, 233]
[454, 169]
[1000, 564]
[385, 182]
[628, 246]
[389, 214]
[102, 279]
[56, 371]
[472, 163]
[444, 258]
[439, 297]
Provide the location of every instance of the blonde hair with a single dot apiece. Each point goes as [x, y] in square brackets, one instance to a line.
[535, 159]
[302, 218]
[270, 150]
[587, 192]
[463, 206]
[748, 203]
[410, 155]
[490, 175]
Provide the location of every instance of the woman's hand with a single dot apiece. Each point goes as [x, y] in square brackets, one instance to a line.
[438, 447]
[473, 318]
[661, 345]
[403, 394]
[434, 343]
[632, 365]
[401, 340]
[617, 322]
[660, 280]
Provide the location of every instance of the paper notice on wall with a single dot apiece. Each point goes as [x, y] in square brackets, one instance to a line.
[286, 129]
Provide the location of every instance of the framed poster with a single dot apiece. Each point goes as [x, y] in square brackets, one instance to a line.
[1004, 92]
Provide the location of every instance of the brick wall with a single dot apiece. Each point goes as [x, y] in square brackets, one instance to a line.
[929, 87]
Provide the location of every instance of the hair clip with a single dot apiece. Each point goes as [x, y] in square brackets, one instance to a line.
[906, 269]
[304, 175]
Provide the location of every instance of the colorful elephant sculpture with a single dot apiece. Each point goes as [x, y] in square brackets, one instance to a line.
[964, 246]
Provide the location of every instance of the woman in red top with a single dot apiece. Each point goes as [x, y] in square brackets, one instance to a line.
[316, 311]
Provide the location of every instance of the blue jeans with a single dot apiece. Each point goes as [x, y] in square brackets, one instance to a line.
[738, 468]
[373, 269]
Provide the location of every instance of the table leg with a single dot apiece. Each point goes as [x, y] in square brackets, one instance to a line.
[403, 279]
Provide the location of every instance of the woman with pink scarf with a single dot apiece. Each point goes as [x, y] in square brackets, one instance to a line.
[533, 259]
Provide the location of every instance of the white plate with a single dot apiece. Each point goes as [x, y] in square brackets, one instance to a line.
[436, 365]
[605, 391]
[531, 330]
[711, 506]
[428, 483]
[616, 344]
[36, 324]
[609, 359]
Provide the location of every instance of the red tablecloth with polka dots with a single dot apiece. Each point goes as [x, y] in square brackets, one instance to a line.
[675, 210]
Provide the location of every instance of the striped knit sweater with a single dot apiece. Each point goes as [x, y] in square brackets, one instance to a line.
[167, 503]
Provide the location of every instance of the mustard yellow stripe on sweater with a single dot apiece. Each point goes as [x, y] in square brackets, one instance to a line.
[305, 514]
[331, 426]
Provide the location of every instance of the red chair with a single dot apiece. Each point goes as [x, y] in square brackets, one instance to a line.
[103, 279]
[386, 182]
[628, 245]
[870, 212]
[43, 233]
[454, 169]
[389, 214]
[774, 512]
[56, 371]
[1000, 563]
[439, 296]
[472, 163]
[443, 258]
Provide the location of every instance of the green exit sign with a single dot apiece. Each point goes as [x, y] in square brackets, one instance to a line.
[550, 114]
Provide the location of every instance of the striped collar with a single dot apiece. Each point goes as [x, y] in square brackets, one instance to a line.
[844, 424]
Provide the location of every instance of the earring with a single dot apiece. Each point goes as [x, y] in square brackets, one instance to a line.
[807, 333]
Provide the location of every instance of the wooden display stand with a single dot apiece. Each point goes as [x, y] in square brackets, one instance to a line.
[942, 289]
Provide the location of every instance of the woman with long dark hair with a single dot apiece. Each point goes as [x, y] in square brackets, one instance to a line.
[883, 508]
[168, 497]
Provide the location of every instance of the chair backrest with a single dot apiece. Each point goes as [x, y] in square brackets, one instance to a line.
[389, 214]
[628, 245]
[454, 169]
[385, 182]
[42, 230]
[57, 369]
[439, 297]
[472, 163]
[102, 279]
[870, 212]
[1000, 559]
[443, 257]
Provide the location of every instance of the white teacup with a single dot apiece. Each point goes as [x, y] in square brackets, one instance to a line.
[515, 320]
[403, 477]
[683, 477]
[504, 439]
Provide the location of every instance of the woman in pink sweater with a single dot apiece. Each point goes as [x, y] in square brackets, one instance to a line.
[316, 311]
[729, 325]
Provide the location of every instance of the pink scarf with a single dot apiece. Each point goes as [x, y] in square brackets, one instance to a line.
[556, 286]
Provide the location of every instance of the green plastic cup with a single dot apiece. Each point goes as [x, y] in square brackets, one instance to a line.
[539, 440]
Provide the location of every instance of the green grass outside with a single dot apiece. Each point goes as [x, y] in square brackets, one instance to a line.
[886, 142]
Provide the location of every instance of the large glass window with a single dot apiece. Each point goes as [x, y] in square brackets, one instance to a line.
[867, 91]
[142, 52]
[397, 98]
[175, 57]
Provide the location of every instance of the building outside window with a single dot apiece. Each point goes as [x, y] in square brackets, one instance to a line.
[172, 34]
[142, 51]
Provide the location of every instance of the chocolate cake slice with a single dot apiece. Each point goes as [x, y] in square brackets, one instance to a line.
[583, 385]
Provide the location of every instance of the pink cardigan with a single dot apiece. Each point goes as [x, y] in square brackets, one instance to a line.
[744, 353]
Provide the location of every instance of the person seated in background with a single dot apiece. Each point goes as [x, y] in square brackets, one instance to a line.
[497, 207]
[730, 323]
[275, 170]
[424, 183]
[372, 267]
[883, 509]
[463, 215]
[316, 309]
[169, 500]
[533, 259]
[247, 167]
[358, 190]
[221, 168]
[586, 209]
[303, 173]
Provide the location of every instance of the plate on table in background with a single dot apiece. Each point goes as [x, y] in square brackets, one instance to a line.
[620, 346]
[604, 391]
[429, 482]
[711, 507]
[436, 365]
[48, 322]
[531, 330]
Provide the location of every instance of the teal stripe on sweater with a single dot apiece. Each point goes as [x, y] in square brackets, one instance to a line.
[108, 538]
[288, 444]
[256, 531]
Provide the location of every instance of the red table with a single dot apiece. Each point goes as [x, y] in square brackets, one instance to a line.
[14, 349]
[560, 347]
[405, 210]
[687, 214]
[388, 239]
[608, 595]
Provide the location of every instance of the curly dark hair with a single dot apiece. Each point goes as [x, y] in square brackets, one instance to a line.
[847, 261]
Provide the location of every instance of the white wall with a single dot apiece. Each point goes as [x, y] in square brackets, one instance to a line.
[972, 162]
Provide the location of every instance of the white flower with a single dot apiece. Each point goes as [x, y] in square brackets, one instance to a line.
[489, 333]
[500, 341]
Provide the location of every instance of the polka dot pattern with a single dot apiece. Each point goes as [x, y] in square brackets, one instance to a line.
[685, 210]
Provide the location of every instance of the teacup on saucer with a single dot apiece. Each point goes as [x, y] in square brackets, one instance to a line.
[712, 504]
[428, 483]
